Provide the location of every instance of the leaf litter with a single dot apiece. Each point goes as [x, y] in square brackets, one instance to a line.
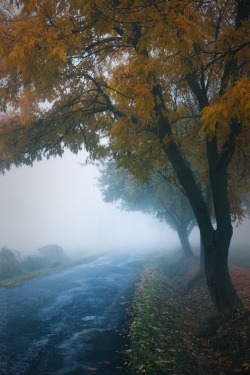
[176, 330]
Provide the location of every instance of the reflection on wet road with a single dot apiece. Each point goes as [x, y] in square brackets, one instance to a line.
[69, 323]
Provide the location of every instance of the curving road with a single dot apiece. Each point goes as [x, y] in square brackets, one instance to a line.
[70, 323]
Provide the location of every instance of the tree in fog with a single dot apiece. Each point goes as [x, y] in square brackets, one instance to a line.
[33, 263]
[52, 254]
[123, 71]
[9, 263]
[153, 196]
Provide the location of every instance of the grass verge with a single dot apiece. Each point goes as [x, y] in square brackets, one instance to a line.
[45, 271]
[175, 328]
[158, 342]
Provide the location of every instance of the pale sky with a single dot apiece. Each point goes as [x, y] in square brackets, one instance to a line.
[57, 201]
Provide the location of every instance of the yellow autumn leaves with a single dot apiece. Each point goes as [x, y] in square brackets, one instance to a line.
[74, 55]
[233, 105]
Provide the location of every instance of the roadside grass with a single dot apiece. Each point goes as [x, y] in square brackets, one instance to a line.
[17, 279]
[157, 331]
[175, 328]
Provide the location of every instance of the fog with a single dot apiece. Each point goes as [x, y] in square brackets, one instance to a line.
[241, 235]
[57, 201]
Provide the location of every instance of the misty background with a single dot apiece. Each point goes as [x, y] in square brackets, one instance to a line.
[57, 201]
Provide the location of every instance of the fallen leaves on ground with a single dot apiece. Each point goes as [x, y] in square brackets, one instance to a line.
[176, 330]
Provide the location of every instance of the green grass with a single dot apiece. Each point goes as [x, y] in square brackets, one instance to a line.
[31, 275]
[42, 272]
[154, 344]
[169, 320]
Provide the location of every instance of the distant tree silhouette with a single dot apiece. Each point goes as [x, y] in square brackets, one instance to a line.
[52, 254]
[10, 264]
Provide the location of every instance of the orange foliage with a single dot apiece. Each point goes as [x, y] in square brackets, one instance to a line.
[142, 74]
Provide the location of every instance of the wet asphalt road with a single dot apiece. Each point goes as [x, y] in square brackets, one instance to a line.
[71, 322]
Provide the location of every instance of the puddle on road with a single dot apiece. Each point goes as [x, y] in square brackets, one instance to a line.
[94, 320]
[81, 342]
[88, 318]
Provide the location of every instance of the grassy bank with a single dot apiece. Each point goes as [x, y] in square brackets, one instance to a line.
[175, 328]
[45, 271]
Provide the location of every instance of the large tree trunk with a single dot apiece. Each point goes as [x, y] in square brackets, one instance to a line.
[218, 278]
[216, 243]
[216, 248]
[183, 236]
[202, 256]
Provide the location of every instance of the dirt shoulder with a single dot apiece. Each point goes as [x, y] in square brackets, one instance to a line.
[176, 329]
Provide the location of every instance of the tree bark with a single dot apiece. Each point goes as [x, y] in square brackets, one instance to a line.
[202, 256]
[183, 236]
[218, 278]
[216, 243]
[216, 248]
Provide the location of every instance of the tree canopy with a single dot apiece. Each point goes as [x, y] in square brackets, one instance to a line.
[154, 81]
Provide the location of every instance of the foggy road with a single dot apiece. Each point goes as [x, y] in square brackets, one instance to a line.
[70, 322]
